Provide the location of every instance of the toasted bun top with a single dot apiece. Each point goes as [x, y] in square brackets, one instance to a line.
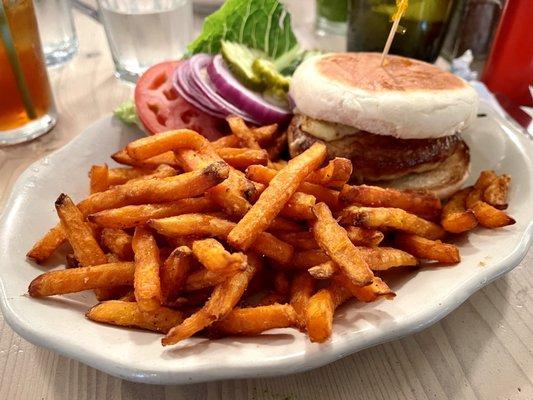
[405, 98]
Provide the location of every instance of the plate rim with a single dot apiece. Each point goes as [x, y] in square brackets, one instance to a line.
[412, 323]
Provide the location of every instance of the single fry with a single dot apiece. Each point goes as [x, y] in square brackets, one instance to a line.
[487, 215]
[126, 313]
[132, 216]
[320, 310]
[455, 217]
[118, 242]
[273, 199]
[167, 158]
[377, 258]
[377, 289]
[425, 205]
[208, 226]
[79, 234]
[428, 249]
[395, 218]
[243, 158]
[323, 271]
[254, 320]
[364, 236]
[302, 288]
[99, 178]
[334, 175]
[222, 301]
[46, 246]
[151, 146]
[264, 134]
[78, 279]
[174, 272]
[242, 132]
[334, 240]
[216, 258]
[497, 192]
[147, 284]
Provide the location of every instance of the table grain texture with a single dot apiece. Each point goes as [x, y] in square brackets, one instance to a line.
[482, 350]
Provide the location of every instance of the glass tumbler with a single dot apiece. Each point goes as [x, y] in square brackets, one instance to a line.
[56, 28]
[26, 104]
[143, 33]
[420, 34]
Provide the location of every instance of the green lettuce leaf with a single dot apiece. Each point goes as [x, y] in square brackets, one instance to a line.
[260, 24]
[127, 114]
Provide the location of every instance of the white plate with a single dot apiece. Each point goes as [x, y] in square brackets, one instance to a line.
[423, 297]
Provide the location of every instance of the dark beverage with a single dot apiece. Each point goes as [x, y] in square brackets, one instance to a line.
[420, 34]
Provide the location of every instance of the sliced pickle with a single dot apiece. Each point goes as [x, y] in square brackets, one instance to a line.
[240, 59]
[268, 73]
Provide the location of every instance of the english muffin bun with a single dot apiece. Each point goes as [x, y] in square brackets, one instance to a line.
[407, 99]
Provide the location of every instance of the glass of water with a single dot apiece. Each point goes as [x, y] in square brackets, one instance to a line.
[143, 33]
[56, 29]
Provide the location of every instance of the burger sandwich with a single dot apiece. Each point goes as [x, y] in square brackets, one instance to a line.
[399, 123]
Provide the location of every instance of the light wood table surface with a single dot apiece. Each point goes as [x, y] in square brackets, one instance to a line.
[482, 350]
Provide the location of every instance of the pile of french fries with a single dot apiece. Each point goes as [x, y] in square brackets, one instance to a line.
[226, 238]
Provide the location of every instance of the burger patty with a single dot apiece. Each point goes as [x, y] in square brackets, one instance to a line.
[379, 157]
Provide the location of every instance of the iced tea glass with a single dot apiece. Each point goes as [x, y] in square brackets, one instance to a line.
[26, 104]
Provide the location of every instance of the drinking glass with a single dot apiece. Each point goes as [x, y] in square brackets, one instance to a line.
[420, 34]
[56, 29]
[26, 104]
[143, 33]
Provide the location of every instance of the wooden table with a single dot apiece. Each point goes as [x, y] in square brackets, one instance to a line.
[482, 350]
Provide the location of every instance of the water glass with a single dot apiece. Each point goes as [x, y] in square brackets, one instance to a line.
[26, 104]
[143, 33]
[56, 28]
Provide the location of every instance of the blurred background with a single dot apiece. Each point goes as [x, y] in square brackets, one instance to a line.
[485, 40]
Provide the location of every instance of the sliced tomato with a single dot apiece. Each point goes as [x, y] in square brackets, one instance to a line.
[160, 107]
